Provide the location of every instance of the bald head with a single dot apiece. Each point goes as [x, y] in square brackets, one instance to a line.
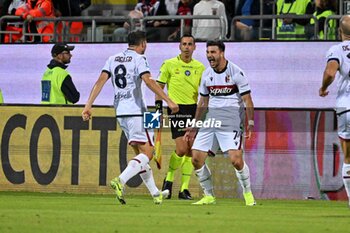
[135, 14]
[345, 26]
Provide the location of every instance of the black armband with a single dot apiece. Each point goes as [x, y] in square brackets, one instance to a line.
[159, 105]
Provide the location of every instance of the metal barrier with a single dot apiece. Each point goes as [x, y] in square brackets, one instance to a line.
[325, 30]
[273, 18]
[184, 17]
[10, 18]
[102, 19]
[93, 20]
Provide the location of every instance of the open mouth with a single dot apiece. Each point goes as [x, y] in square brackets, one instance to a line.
[211, 61]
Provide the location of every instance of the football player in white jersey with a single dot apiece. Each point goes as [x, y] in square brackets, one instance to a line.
[127, 70]
[224, 91]
[338, 61]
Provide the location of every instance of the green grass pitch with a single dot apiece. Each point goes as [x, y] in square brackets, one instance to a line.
[42, 212]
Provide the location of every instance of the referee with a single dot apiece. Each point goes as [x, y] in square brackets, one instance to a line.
[182, 75]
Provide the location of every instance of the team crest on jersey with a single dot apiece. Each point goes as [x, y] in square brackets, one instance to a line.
[227, 78]
[187, 73]
[211, 78]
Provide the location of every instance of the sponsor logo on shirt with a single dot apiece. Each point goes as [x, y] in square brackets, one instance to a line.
[123, 95]
[222, 90]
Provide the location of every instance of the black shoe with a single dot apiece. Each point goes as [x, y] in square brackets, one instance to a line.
[169, 186]
[185, 195]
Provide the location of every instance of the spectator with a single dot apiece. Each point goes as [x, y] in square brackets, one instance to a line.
[68, 8]
[165, 27]
[247, 29]
[185, 7]
[171, 6]
[230, 7]
[290, 28]
[34, 9]
[121, 34]
[57, 86]
[324, 8]
[209, 29]
[148, 8]
[9, 8]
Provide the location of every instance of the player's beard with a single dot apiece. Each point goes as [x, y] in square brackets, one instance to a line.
[213, 62]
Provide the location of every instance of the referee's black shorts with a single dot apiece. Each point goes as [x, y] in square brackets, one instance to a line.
[185, 112]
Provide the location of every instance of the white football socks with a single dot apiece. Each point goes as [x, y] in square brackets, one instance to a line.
[135, 165]
[346, 178]
[243, 178]
[204, 177]
[148, 180]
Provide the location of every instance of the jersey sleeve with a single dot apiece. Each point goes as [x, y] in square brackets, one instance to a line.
[142, 65]
[201, 69]
[203, 90]
[242, 83]
[333, 54]
[164, 75]
[107, 67]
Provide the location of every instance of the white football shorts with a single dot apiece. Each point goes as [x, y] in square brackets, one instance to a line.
[344, 125]
[228, 138]
[134, 131]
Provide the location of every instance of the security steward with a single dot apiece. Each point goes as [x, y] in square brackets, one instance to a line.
[57, 86]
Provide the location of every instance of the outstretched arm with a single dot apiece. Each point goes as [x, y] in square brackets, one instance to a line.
[86, 114]
[151, 84]
[328, 77]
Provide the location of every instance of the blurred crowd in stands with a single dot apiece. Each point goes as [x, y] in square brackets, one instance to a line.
[275, 19]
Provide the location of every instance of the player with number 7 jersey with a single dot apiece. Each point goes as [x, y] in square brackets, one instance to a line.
[127, 70]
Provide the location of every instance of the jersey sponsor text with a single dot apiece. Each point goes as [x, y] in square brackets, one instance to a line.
[222, 90]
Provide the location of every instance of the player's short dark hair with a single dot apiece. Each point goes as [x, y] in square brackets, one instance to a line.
[188, 35]
[136, 37]
[218, 43]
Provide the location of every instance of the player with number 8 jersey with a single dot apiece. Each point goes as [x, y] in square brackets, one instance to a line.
[128, 99]
[127, 70]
